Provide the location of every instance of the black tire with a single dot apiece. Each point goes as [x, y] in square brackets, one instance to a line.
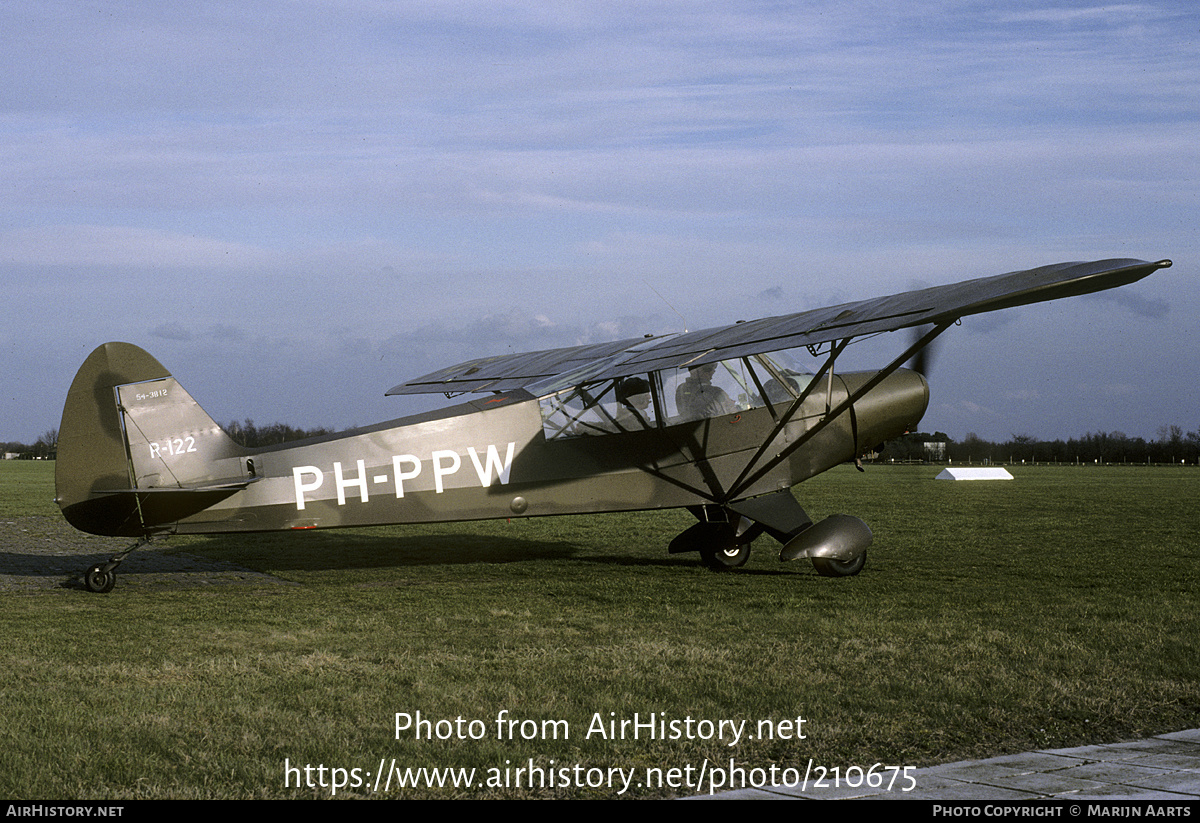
[828, 567]
[96, 579]
[729, 556]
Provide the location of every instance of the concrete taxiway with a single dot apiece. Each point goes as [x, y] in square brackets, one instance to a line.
[1164, 768]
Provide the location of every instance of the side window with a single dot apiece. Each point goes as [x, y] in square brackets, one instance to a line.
[709, 390]
[783, 374]
[730, 386]
[607, 407]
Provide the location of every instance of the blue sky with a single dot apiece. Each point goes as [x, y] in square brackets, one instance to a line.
[296, 205]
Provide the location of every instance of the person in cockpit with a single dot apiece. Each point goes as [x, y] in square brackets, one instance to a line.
[697, 397]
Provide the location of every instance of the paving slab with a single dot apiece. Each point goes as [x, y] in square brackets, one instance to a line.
[1165, 767]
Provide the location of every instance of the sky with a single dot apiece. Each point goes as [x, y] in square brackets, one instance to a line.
[296, 205]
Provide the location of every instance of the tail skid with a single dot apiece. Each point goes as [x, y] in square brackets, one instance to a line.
[136, 453]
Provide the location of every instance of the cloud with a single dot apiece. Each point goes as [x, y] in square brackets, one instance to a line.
[990, 322]
[171, 331]
[1135, 303]
[518, 329]
[126, 246]
[226, 333]
[1109, 13]
[220, 333]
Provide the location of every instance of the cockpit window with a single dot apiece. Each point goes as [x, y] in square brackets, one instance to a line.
[707, 390]
[607, 407]
[639, 402]
[783, 375]
[729, 386]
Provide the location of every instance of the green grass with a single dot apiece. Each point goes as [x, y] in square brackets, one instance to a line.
[1054, 610]
[27, 488]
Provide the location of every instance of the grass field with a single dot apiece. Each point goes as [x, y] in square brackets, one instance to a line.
[1053, 610]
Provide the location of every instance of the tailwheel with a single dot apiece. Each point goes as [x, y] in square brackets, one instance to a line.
[101, 577]
[727, 556]
[829, 567]
[98, 579]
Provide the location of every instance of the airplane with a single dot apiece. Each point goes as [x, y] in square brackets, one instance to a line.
[723, 422]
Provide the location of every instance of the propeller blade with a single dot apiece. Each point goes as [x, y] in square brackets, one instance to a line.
[922, 361]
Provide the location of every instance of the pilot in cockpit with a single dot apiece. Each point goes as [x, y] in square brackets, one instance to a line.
[697, 397]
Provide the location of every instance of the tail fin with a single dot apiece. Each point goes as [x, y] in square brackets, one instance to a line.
[135, 451]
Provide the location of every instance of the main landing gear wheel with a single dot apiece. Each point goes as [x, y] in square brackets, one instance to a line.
[729, 556]
[96, 579]
[828, 567]
[721, 544]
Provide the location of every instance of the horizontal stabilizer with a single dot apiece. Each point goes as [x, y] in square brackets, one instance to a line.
[139, 511]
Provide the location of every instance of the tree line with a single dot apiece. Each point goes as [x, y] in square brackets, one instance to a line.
[245, 433]
[44, 448]
[1172, 445]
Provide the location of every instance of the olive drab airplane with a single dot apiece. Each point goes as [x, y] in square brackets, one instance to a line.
[722, 422]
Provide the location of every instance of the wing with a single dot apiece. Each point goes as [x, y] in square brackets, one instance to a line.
[935, 305]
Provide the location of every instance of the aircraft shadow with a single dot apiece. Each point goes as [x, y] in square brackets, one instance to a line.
[64, 553]
[329, 551]
[334, 549]
[685, 560]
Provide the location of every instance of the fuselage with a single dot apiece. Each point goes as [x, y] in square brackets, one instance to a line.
[492, 459]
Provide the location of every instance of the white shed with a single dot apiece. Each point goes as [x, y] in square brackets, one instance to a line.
[986, 473]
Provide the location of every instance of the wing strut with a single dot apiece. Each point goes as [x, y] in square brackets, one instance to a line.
[693, 448]
[786, 417]
[750, 475]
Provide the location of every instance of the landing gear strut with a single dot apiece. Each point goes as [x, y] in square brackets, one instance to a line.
[837, 546]
[101, 577]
